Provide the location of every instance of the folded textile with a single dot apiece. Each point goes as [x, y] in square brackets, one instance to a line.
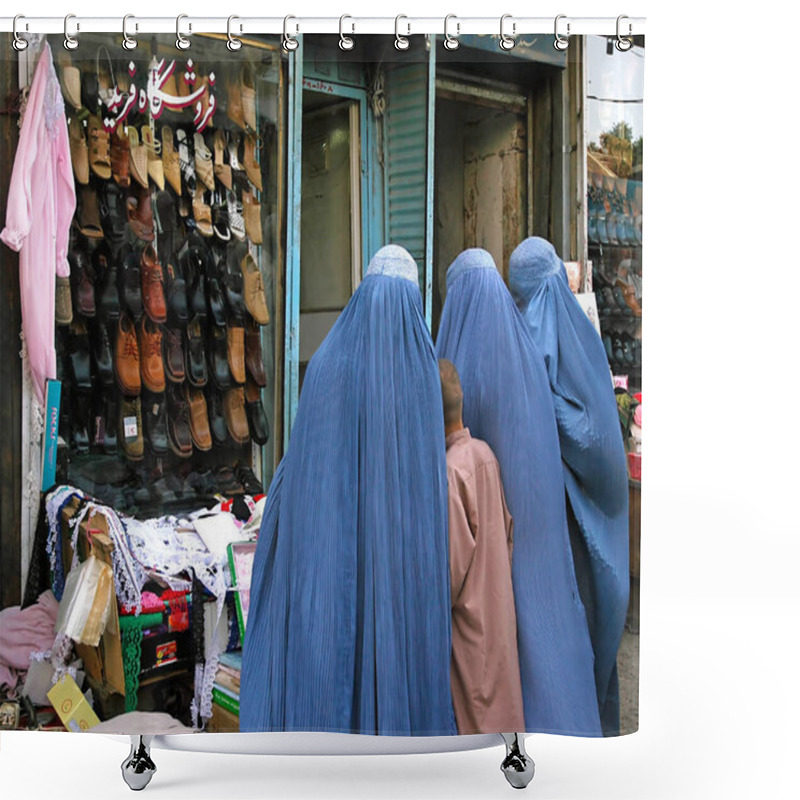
[22, 632]
[142, 722]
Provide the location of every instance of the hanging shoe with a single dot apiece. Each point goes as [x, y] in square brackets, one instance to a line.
[236, 353]
[170, 159]
[63, 301]
[130, 436]
[155, 304]
[198, 418]
[252, 217]
[79, 151]
[217, 355]
[70, 81]
[219, 217]
[251, 167]
[155, 166]
[121, 158]
[253, 357]
[174, 364]
[105, 269]
[179, 433]
[254, 297]
[150, 357]
[89, 213]
[249, 97]
[130, 283]
[113, 215]
[222, 171]
[126, 358]
[202, 214]
[233, 404]
[203, 162]
[154, 417]
[235, 217]
[257, 419]
[235, 109]
[239, 175]
[175, 288]
[138, 158]
[216, 416]
[195, 355]
[99, 148]
[140, 215]
[186, 159]
[103, 355]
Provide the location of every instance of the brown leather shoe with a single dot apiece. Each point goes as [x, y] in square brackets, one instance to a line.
[126, 357]
[89, 213]
[138, 158]
[63, 301]
[99, 148]
[254, 298]
[251, 168]
[140, 215]
[152, 363]
[129, 434]
[252, 216]
[253, 359]
[236, 353]
[121, 158]
[235, 109]
[198, 419]
[236, 415]
[79, 151]
[629, 293]
[174, 366]
[155, 304]
[179, 434]
[171, 159]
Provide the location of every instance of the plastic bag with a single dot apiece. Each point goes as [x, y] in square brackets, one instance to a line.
[86, 603]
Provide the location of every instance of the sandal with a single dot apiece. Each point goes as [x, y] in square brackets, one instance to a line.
[252, 217]
[235, 218]
[251, 167]
[89, 214]
[106, 81]
[79, 151]
[219, 217]
[99, 148]
[203, 162]
[121, 158]
[239, 175]
[138, 159]
[170, 159]
[202, 214]
[155, 166]
[186, 161]
[221, 169]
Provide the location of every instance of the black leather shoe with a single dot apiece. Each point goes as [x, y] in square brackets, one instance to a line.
[130, 282]
[110, 430]
[79, 426]
[259, 427]
[154, 419]
[247, 478]
[81, 275]
[218, 357]
[106, 291]
[113, 215]
[216, 416]
[231, 276]
[80, 360]
[175, 289]
[216, 301]
[103, 358]
[194, 262]
[195, 355]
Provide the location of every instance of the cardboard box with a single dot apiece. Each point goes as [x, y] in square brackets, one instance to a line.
[71, 706]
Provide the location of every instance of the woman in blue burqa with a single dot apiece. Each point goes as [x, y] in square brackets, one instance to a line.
[349, 621]
[507, 403]
[595, 473]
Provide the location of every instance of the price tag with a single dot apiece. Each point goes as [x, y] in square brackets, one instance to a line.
[131, 429]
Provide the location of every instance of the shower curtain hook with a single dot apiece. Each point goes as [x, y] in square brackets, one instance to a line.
[19, 43]
[233, 44]
[128, 42]
[181, 42]
[506, 41]
[450, 41]
[290, 44]
[561, 42]
[624, 43]
[401, 42]
[346, 42]
[70, 42]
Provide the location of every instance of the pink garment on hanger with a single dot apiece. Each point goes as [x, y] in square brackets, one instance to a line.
[41, 204]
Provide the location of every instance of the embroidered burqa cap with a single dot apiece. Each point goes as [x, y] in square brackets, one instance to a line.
[349, 622]
[507, 403]
[595, 472]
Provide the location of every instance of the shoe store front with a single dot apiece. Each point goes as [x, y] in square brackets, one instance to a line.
[213, 212]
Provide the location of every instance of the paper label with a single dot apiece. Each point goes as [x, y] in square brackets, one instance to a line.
[52, 411]
[166, 653]
[131, 429]
[621, 382]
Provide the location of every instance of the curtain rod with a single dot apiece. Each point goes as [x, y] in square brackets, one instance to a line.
[185, 25]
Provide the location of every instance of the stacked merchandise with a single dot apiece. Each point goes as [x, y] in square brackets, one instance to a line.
[225, 694]
[160, 320]
[615, 249]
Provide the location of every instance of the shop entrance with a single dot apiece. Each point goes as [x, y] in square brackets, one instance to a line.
[330, 227]
[481, 167]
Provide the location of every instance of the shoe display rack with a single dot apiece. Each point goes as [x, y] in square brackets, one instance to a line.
[160, 322]
[615, 250]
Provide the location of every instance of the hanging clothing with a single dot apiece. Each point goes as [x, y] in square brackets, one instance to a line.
[349, 622]
[41, 204]
[507, 403]
[592, 451]
[487, 693]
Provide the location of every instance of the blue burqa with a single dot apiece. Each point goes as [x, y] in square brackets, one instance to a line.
[349, 621]
[592, 451]
[507, 403]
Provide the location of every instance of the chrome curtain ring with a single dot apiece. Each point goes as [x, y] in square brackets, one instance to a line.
[560, 42]
[346, 42]
[70, 42]
[506, 41]
[127, 42]
[181, 42]
[233, 44]
[19, 43]
[623, 42]
[401, 42]
[290, 44]
[450, 41]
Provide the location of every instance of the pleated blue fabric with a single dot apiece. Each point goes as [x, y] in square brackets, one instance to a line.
[507, 403]
[349, 622]
[592, 451]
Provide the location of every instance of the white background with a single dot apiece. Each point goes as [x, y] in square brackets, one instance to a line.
[720, 600]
